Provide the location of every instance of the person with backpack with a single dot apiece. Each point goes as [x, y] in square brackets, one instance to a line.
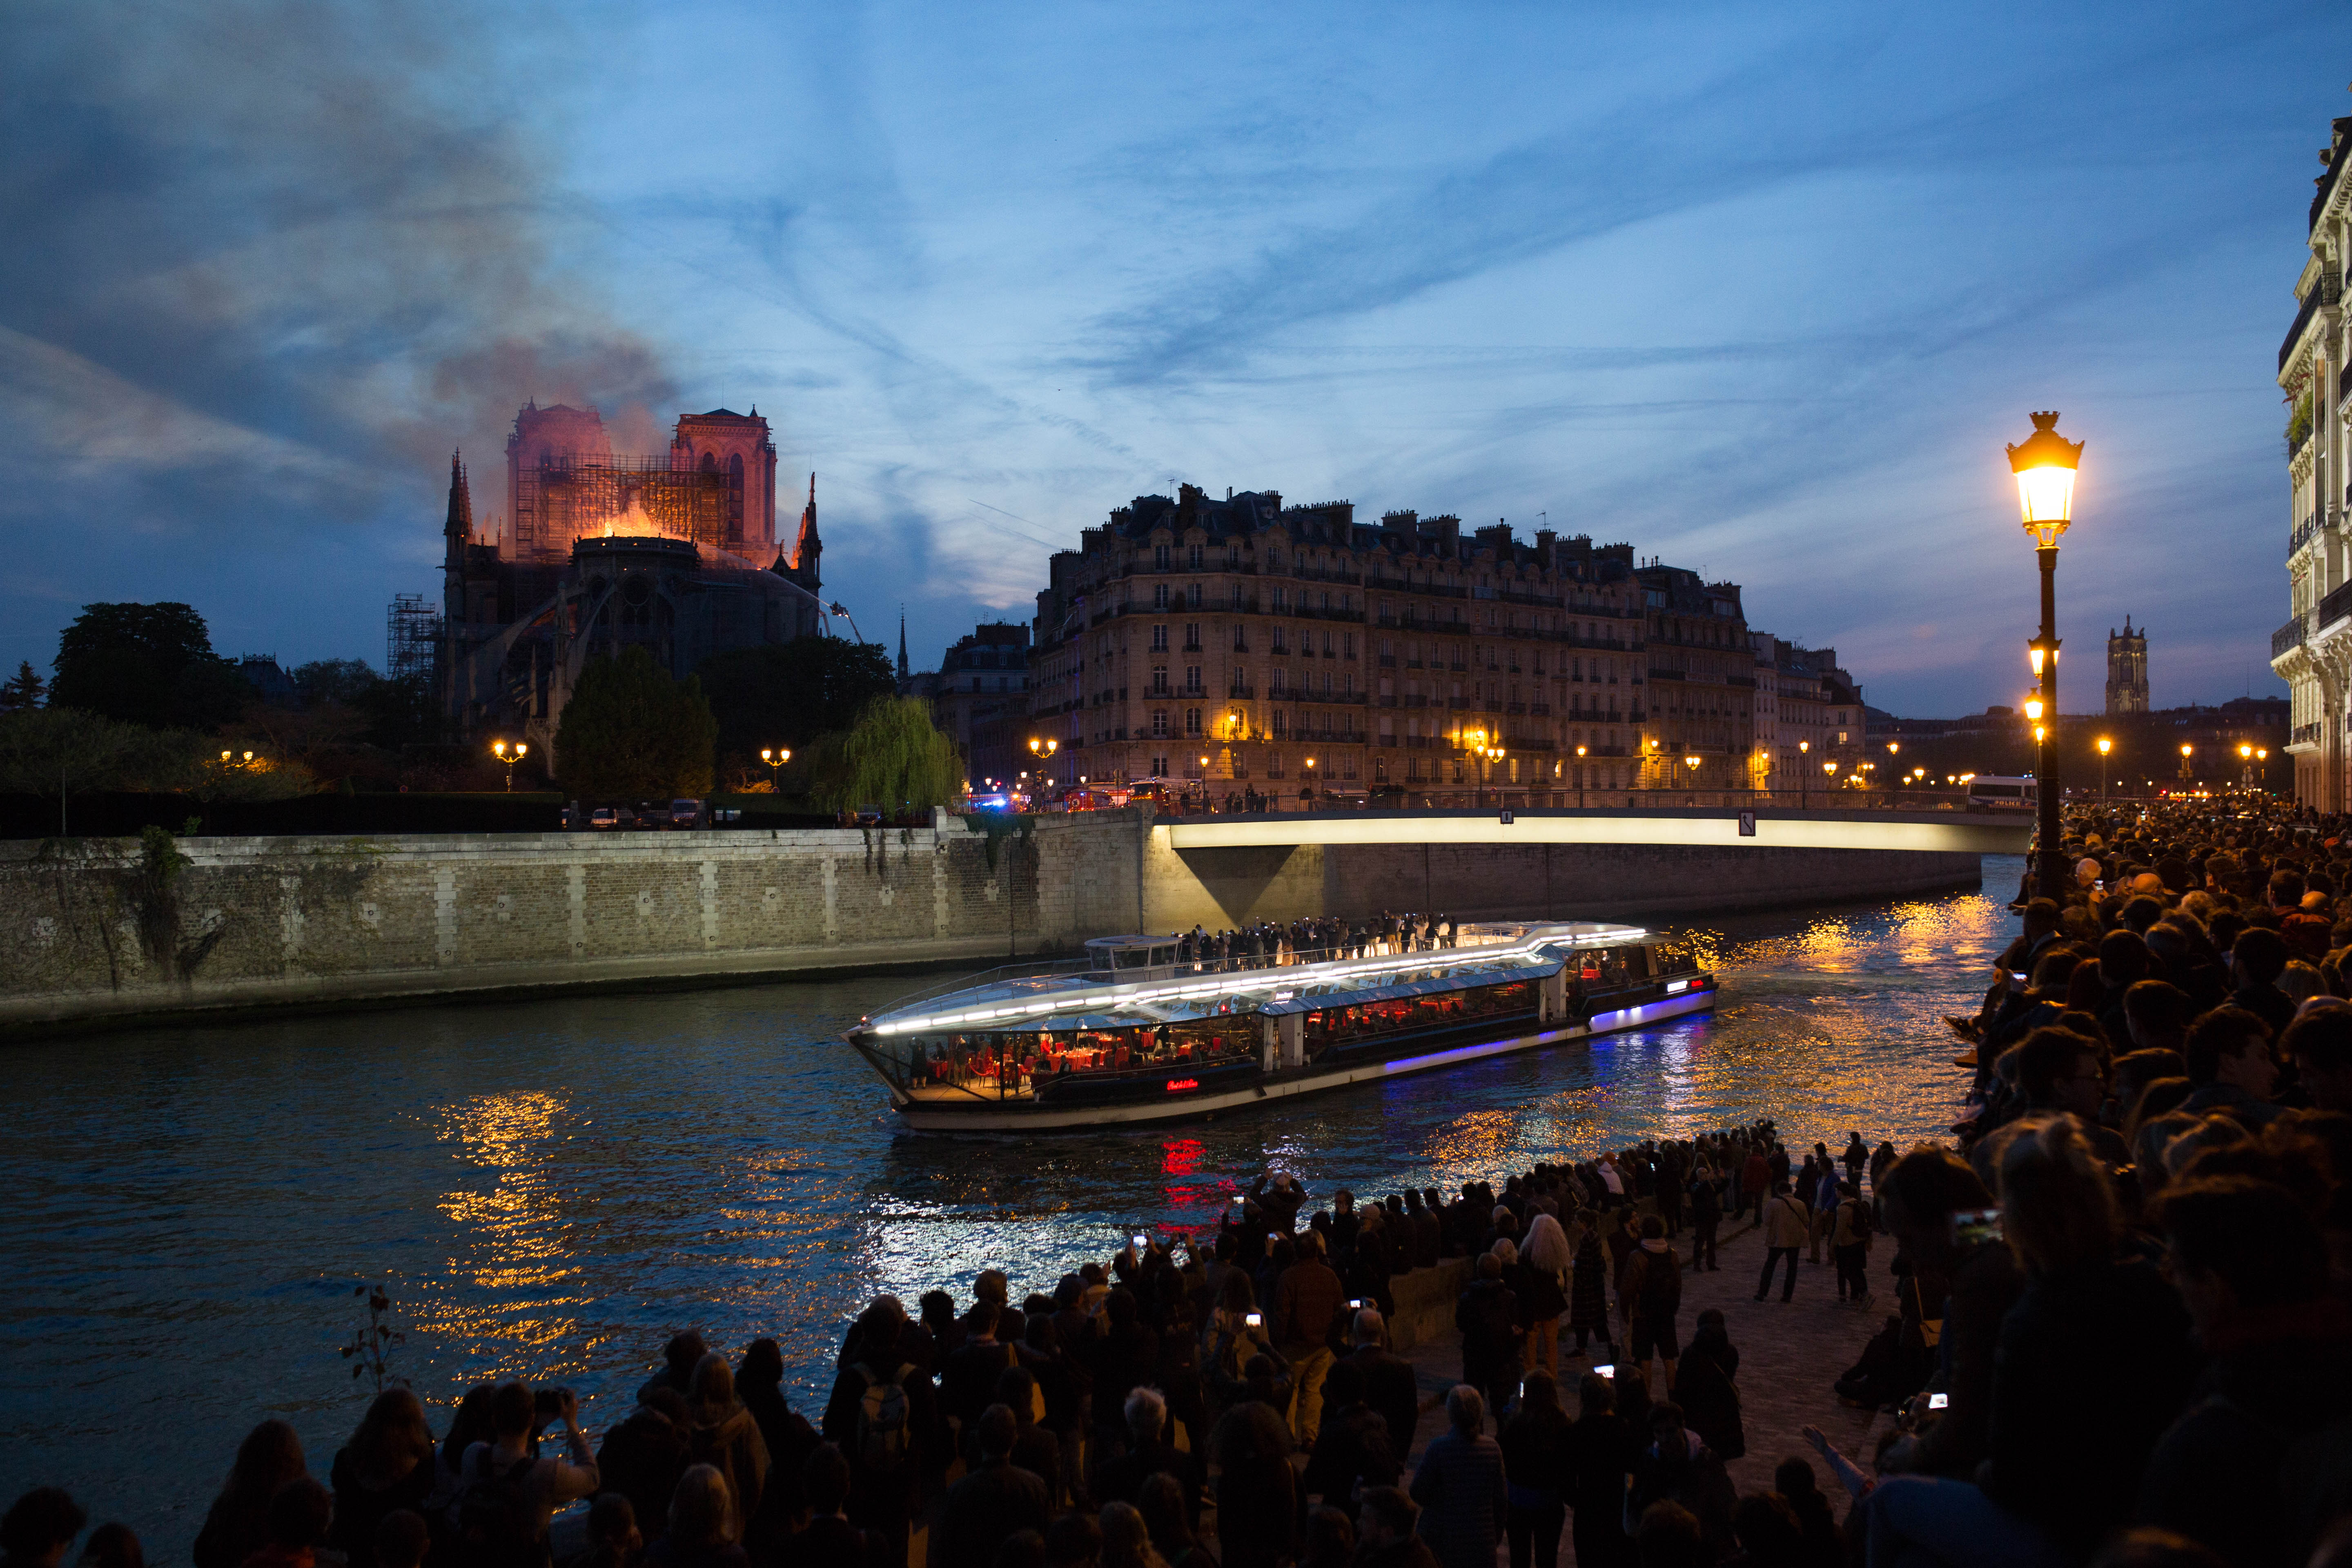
[505, 1496]
[1651, 1294]
[1787, 1224]
[883, 1415]
[1487, 1314]
[1851, 1245]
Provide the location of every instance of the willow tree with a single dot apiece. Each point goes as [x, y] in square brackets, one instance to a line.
[894, 757]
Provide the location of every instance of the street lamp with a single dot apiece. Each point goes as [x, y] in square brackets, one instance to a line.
[776, 757]
[2045, 463]
[2245, 766]
[1579, 778]
[2185, 750]
[2106, 745]
[1690, 761]
[1804, 778]
[499, 750]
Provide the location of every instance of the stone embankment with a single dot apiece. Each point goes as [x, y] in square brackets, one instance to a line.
[110, 931]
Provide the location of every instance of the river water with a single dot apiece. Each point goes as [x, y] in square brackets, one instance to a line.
[550, 1188]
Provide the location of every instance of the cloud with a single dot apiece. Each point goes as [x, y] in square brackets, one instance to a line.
[313, 220]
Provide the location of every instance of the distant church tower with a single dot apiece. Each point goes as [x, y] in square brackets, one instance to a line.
[2127, 669]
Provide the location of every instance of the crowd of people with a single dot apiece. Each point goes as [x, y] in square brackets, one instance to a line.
[1269, 944]
[2117, 1335]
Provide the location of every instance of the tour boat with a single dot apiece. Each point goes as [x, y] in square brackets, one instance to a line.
[1135, 1033]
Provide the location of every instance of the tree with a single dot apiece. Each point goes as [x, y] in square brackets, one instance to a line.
[24, 691]
[630, 733]
[147, 664]
[894, 757]
[343, 681]
[790, 694]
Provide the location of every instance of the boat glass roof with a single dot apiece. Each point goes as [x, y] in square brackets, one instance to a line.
[1485, 954]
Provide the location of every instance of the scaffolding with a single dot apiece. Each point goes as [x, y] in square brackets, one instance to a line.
[563, 497]
[411, 640]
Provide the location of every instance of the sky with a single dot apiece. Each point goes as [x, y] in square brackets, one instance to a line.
[1762, 289]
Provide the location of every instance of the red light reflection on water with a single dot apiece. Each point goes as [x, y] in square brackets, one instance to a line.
[1194, 1203]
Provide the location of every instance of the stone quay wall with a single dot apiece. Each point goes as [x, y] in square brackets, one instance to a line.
[111, 931]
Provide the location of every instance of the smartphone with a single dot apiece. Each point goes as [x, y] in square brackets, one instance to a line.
[1140, 1242]
[1358, 1306]
[1610, 1371]
[1255, 1320]
[1971, 1228]
[2019, 975]
[1939, 1401]
[1239, 1203]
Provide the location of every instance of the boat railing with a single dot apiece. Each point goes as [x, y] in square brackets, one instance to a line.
[1468, 937]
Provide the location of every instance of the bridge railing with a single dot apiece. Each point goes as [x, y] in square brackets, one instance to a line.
[1274, 796]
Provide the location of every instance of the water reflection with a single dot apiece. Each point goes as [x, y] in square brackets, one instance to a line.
[554, 1188]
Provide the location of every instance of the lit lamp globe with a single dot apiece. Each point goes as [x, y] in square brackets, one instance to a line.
[2044, 465]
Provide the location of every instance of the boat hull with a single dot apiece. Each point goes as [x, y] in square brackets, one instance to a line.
[1036, 1117]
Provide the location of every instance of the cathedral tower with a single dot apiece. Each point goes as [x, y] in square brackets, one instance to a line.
[2127, 669]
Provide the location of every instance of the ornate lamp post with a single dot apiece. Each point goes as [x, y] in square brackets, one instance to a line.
[1043, 750]
[2186, 748]
[2245, 766]
[1804, 779]
[1691, 762]
[775, 757]
[2106, 745]
[2044, 465]
[1579, 778]
[499, 750]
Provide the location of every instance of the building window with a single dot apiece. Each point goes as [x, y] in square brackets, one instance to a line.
[1158, 724]
[1193, 721]
[1241, 639]
[1347, 766]
[1160, 558]
[1159, 767]
[1348, 643]
[1159, 639]
[1192, 677]
[1193, 557]
[1192, 637]
[1192, 595]
[1159, 595]
[1282, 639]
[1277, 682]
[1281, 597]
[1159, 680]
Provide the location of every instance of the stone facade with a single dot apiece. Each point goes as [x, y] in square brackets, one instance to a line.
[2127, 670]
[1247, 641]
[2313, 652]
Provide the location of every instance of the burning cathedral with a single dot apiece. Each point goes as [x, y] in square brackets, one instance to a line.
[598, 552]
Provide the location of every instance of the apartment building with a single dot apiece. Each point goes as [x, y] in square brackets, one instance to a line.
[1247, 641]
[2313, 652]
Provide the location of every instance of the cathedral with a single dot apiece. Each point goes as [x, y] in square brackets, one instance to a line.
[676, 552]
[2127, 669]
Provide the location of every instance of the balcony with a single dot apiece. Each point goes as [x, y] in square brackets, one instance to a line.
[2302, 535]
[2333, 608]
[2303, 735]
[2289, 637]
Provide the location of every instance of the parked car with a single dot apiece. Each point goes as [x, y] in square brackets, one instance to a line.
[603, 816]
[685, 812]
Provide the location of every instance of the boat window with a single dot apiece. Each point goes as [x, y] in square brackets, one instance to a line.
[1162, 955]
[1408, 1015]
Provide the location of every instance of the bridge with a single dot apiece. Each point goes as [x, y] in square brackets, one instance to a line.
[1725, 827]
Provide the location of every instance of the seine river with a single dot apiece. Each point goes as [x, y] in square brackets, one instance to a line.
[551, 1188]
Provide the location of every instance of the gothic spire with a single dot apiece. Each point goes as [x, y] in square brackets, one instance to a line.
[902, 645]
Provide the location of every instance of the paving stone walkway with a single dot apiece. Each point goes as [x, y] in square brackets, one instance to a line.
[1790, 1353]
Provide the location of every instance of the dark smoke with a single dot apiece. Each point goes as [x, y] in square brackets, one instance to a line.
[320, 223]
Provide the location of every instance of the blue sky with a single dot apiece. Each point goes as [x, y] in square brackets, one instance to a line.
[1762, 289]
